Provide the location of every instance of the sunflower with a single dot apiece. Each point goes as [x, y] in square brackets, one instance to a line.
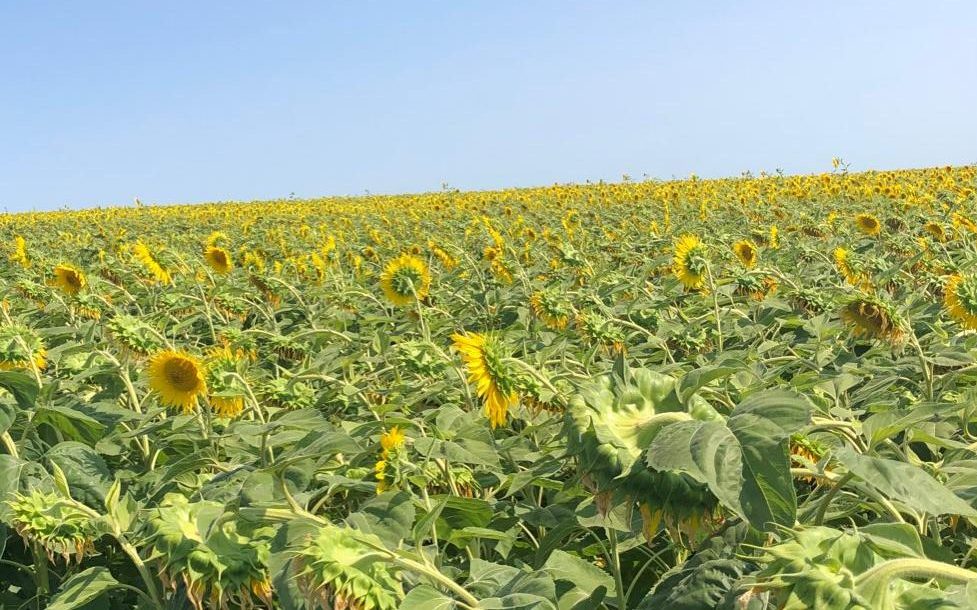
[850, 268]
[690, 262]
[225, 390]
[69, 279]
[868, 224]
[19, 255]
[494, 382]
[142, 254]
[405, 279]
[218, 259]
[178, 377]
[873, 318]
[746, 251]
[960, 300]
[935, 230]
[21, 347]
[391, 440]
[552, 310]
[961, 221]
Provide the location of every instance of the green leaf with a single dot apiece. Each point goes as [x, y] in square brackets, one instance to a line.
[579, 584]
[708, 452]
[82, 588]
[762, 424]
[906, 483]
[425, 597]
[22, 386]
[389, 515]
[7, 416]
[87, 475]
[698, 378]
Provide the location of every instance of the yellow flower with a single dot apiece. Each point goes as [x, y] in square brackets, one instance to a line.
[405, 279]
[868, 224]
[935, 230]
[19, 254]
[149, 262]
[224, 389]
[484, 361]
[960, 299]
[69, 279]
[178, 377]
[218, 259]
[746, 251]
[391, 439]
[774, 240]
[872, 318]
[690, 263]
[553, 311]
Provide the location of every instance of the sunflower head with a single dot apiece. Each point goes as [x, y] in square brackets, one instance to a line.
[178, 377]
[225, 390]
[935, 230]
[495, 382]
[69, 279]
[960, 300]
[405, 280]
[873, 318]
[690, 262]
[55, 523]
[391, 440]
[21, 348]
[133, 335]
[218, 259]
[746, 251]
[553, 310]
[868, 224]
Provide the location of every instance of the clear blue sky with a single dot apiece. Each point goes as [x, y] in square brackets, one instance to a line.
[184, 101]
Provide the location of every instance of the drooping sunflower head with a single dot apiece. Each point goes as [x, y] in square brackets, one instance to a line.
[935, 230]
[873, 318]
[20, 348]
[225, 388]
[494, 380]
[218, 259]
[599, 331]
[405, 280]
[69, 279]
[56, 524]
[178, 377]
[960, 300]
[151, 264]
[850, 268]
[746, 251]
[553, 310]
[133, 335]
[756, 285]
[868, 224]
[690, 262]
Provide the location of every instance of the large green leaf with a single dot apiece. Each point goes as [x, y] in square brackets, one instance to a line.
[905, 483]
[705, 450]
[762, 424]
[22, 386]
[82, 588]
[87, 474]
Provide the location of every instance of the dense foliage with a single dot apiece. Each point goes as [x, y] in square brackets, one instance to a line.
[749, 393]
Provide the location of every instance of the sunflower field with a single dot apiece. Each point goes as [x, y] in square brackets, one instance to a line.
[751, 393]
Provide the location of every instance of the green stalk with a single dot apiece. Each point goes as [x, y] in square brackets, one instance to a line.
[916, 568]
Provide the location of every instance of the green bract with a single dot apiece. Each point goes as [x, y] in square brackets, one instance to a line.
[341, 568]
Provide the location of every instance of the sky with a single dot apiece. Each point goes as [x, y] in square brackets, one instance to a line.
[187, 101]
